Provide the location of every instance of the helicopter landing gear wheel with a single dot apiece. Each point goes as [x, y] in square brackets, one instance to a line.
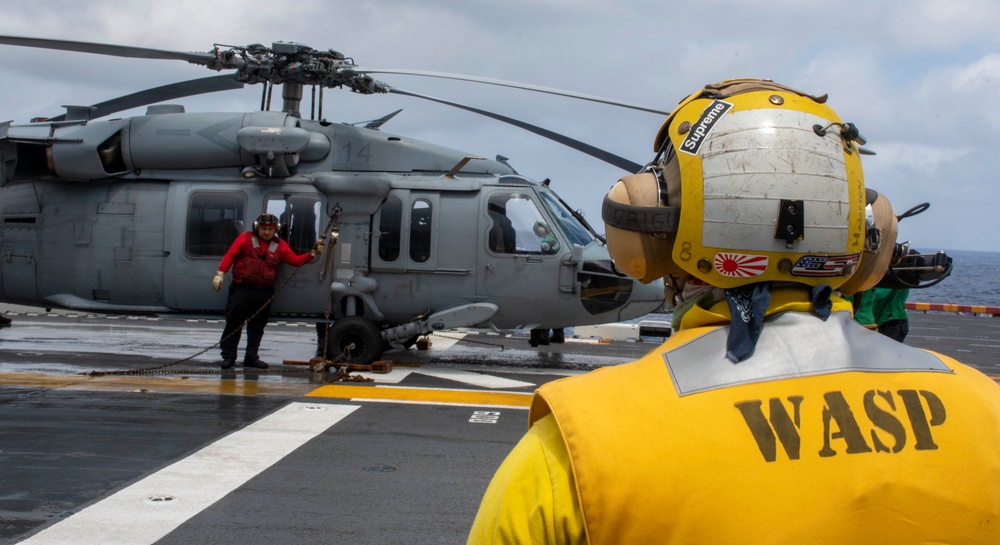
[356, 339]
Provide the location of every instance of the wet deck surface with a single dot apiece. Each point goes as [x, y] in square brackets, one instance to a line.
[286, 456]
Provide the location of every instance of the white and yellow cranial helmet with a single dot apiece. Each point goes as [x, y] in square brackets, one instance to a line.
[753, 182]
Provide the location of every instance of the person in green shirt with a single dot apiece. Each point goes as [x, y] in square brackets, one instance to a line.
[884, 310]
[889, 311]
[863, 308]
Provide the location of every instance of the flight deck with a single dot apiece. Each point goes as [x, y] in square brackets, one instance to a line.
[185, 453]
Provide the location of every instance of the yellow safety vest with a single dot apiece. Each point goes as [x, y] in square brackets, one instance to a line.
[830, 433]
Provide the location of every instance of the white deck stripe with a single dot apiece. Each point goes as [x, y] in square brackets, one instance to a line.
[194, 483]
[475, 379]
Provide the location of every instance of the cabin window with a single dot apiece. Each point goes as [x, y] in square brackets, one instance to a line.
[214, 221]
[420, 230]
[513, 220]
[298, 217]
[390, 228]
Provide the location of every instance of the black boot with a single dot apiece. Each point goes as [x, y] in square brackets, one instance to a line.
[538, 337]
[254, 363]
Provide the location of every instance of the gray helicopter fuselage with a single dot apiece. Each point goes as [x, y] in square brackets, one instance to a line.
[134, 215]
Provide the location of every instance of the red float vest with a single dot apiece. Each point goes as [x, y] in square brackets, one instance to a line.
[257, 268]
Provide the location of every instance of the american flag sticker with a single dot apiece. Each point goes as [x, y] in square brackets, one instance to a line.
[740, 265]
[819, 265]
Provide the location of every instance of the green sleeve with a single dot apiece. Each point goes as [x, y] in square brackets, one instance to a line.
[891, 305]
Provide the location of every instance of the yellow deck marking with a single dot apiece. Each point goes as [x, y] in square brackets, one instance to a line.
[150, 384]
[239, 386]
[424, 395]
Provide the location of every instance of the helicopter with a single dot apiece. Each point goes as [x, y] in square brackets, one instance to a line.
[133, 214]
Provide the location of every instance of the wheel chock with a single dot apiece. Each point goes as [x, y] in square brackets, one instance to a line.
[380, 367]
[297, 362]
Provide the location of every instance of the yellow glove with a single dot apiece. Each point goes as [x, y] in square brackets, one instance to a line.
[217, 281]
[317, 248]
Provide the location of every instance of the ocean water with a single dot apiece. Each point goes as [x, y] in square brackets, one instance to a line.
[973, 281]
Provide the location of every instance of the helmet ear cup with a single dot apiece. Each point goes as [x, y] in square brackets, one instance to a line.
[642, 255]
[876, 257]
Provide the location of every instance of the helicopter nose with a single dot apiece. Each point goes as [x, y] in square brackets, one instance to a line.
[609, 295]
[645, 298]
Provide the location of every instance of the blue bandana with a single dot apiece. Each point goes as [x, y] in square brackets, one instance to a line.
[820, 297]
[747, 307]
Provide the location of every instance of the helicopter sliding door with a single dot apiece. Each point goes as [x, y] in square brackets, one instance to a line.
[404, 253]
[423, 251]
[212, 219]
[206, 222]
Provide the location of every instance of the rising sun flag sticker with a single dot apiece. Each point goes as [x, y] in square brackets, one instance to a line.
[740, 265]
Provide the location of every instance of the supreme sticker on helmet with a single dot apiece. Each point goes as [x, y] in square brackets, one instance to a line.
[821, 265]
[740, 265]
[700, 130]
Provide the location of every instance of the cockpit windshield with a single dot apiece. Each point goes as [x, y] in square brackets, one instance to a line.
[567, 222]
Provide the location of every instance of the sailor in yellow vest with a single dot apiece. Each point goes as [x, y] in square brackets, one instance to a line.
[770, 416]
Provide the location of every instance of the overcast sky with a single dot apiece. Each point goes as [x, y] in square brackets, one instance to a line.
[921, 78]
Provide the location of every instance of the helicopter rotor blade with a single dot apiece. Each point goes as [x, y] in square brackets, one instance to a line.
[108, 49]
[172, 91]
[582, 147]
[513, 85]
[284, 62]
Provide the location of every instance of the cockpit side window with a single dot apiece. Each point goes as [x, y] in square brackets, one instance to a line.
[214, 220]
[517, 226]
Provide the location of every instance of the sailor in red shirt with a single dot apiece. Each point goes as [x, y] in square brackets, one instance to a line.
[254, 258]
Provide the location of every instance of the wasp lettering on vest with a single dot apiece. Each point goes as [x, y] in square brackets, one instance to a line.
[704, 127]
[843, 430]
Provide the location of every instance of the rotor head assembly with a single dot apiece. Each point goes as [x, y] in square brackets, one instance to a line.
[290, 62]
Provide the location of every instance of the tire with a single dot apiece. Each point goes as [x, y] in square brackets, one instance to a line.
[363, 334]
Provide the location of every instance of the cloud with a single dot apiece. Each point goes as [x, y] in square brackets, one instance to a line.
[918, 77]
[919, 157]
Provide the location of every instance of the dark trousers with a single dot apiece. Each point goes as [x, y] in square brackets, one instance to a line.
[895, 329]
[243, 302]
